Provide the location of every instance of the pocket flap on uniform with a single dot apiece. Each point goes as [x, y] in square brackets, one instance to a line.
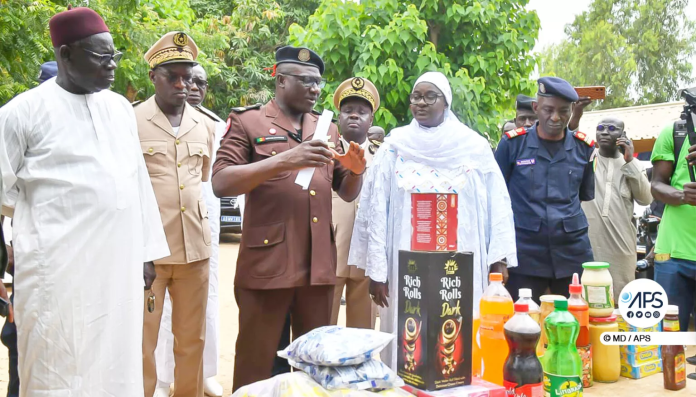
[202, 208]
[154, 147]
[198, 149]
[527, 222]
[264, 236]
[271, 149]
[575, 223]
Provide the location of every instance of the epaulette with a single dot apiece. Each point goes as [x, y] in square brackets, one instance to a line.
[136, 103]
[242, 109]
[208, 113]
[583, 137]
[514, 133]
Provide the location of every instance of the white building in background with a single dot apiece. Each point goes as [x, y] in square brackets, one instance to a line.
[642, 123]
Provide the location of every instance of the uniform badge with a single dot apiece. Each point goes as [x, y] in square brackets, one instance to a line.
[229, 123]
[303, 55]
[269, 139]
[357, 83]
[181, 39]
[522, 162]
[542, 88]
[272, 131]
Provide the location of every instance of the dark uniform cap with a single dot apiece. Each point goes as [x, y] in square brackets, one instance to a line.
[524, 102]
[299, 55]
[556, 86]
[49, 70]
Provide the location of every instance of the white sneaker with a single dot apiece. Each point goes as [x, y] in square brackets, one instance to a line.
[212, 387]
[161, 392]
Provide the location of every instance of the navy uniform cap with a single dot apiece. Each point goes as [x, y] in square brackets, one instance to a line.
[555, 86]
[49, 70]
[299, 55]
[524, 102]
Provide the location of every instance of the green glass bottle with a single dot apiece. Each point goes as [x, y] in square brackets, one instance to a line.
[562, 363]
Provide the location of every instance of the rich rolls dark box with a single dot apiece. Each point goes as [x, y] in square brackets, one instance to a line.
[435, 319]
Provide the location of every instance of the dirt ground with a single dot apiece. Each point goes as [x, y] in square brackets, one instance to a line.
[648, 387]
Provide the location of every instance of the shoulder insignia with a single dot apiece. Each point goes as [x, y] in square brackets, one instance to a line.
[515, 133]
[242, 109]
[136, 103]
[583, 137]
[208, 113]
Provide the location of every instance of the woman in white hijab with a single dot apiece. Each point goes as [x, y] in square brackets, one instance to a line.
[464, 165]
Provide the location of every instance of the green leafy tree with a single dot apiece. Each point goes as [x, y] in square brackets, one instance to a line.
[482, 46]
[236, 41]
[639, 49]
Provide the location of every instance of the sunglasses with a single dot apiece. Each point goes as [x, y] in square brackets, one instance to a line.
[610, 128]
[105, 59]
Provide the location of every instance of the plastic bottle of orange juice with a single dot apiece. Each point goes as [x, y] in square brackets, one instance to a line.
[475, 348]
[496, 308]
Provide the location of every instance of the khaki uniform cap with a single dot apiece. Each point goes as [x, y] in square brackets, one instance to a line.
[173, 47]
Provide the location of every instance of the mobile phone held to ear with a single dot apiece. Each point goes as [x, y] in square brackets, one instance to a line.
[4, 307]
[595, 92]
[628, 141]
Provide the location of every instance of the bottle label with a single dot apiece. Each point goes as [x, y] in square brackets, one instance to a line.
[562, 385]
[679, 368]
[670, 325]
[599, 297]
[514, 390]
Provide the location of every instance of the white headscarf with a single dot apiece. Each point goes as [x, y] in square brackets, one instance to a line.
[450, 145]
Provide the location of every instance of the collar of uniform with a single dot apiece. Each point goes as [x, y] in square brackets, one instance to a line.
[189, 120]
[309, 120]
[533, 138]
[345, 144]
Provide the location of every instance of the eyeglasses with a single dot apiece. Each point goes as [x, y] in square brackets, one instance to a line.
[429, 98]
[200, 83]
[308, 81]
[173, 78]
[610, 128]
[105, 59]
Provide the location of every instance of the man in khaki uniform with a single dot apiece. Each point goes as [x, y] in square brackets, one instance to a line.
[287, 258]
[357, 100]
[177, 141]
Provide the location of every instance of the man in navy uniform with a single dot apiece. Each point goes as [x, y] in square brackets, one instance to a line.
[548, 171]
[525, 116]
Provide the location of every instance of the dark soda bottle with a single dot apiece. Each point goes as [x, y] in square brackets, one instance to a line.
[523, 375]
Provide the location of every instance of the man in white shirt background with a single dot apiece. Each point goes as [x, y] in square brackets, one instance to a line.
[86, 222]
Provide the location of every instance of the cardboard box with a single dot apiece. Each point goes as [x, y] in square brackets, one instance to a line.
[639, 358]
[478, 388]
[625, 327]
[641, 371]
[434, 222]
[434, 319]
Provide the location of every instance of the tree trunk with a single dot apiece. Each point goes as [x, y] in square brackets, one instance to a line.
[433, 32]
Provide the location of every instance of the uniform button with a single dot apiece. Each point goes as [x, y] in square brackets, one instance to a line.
[149, 150]
[200, 151]
[181, 187]
[315, 219]
[273, 153]
[312, 193]
[177, 141]
[183, 209]
[265, 241]
[178, 165]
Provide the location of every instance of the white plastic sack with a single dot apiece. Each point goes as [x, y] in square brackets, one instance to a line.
[298, 384]
[336, 346]
[371, 374]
